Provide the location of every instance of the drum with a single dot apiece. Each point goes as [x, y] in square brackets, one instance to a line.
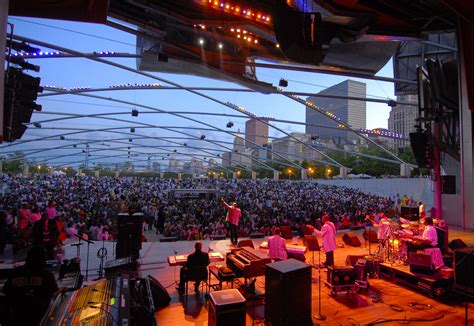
[446, 272]
[372, 265]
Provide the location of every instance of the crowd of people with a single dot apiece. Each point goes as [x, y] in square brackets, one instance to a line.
[42, 207]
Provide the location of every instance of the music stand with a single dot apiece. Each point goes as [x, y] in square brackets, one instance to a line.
[313, 245]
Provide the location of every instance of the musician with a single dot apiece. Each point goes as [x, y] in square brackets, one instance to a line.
[29, 289]
[196, 264]
[277, 246]
[45, 234]
[328, 234]
[429, 238]
[383, 228]
[232, 219]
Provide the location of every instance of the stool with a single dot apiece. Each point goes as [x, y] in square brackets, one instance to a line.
[214, 271]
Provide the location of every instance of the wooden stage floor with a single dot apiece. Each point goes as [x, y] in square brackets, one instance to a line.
[383, 300]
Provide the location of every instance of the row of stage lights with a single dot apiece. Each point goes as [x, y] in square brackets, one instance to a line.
[239, 33]
[57, 53]
[379, 132]
[156, 85]
[234, 9]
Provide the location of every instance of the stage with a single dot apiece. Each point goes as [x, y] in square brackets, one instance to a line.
[383, 300]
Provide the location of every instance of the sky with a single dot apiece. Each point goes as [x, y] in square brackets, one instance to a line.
[79, 72]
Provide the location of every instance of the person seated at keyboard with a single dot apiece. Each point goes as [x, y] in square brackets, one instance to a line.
[277, 246]
[195, 268]
[429, 238]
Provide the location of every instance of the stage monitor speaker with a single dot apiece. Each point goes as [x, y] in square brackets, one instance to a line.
[286, 232]
[161, 298]
[245, 243]
[129, 235]
[370, 235]
[226, 308]
[420, 263]
[463, 268]
[351, 239]
[457, 244]
[351, 260]
[448, 184]
[288, 293]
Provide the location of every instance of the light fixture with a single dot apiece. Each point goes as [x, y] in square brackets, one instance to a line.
[220, 46]
[203, 137]
[134, 113]
[62, 137]
[230, 124]
[283, 83]
[130, 140]
[37, 124]
[201, 41]
[132, 129]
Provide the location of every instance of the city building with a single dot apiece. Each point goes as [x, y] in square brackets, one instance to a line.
[256, 132]
[291, 149]
[239, 155]
[349, 111]
[402, 120]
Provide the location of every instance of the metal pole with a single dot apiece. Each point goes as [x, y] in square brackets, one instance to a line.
[3, 39]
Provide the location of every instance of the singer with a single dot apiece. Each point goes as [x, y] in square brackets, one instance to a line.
[232, 219]
[328, 234]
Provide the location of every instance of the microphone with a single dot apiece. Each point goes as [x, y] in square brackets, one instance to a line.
[175, 252]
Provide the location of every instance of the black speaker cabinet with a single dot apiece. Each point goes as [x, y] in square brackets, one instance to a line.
[161, 298]
[351, 239]
[463, 269]
[226, 308]
[457, 244]
[129, 235]
[288, 293]
[448, 184]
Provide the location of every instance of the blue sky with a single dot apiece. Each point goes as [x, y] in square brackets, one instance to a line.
[82, 72]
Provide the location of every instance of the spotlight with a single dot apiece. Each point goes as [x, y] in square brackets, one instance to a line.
[62, 137]
[283, 83]
[37, 124]
[74, 146]
[185, 144]
[130, 140]
[175, 151]
[230, 124]
[314, 137]
[203, 137]
[134, 113]
[201, 41]
[392, 103]
[132, 129]
[220, 46]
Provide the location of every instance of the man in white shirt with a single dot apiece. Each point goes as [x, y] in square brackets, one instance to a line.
[429, 238]
[277, 246]
[328, 234]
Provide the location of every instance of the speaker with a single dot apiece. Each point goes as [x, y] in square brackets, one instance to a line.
[351, 239]
[161, 298]
[457, 244]
[286, 232]
[245, 243]
[257, 236]
[421, 149]
[351, 260]
[129, 236]
[448, 184]
[420, 263]
[370, 235]
[226, 308]
[288, 293]
[463, 268]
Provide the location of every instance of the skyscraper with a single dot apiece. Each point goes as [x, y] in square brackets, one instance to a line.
[256, 132]
[350, 111]
[402, 120]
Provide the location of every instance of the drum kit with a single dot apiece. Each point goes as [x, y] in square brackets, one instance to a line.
[394, 247]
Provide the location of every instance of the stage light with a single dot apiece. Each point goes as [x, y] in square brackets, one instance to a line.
[134, 113]
[130, 140]
[230, 124]
[132, 129]
[283, 83]
[203, 137]
[220, 46]
[62, 137]
[201, 41]
[37, 124]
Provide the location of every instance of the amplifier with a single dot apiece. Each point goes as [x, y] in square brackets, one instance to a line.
[119, 265]
[226, 308]
[341, 275]
[420, 263]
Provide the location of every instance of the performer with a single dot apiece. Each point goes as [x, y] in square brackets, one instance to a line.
[277, 246]
[196, 264]
[45, 233]
[429, 238]
[29, 289]
[383, 228]
[328, 234]
[232, 219]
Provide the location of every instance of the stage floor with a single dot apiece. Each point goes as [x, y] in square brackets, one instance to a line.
[383, 300]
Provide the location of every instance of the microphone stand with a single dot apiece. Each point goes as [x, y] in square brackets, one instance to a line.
[319, 316]
[87, 258]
